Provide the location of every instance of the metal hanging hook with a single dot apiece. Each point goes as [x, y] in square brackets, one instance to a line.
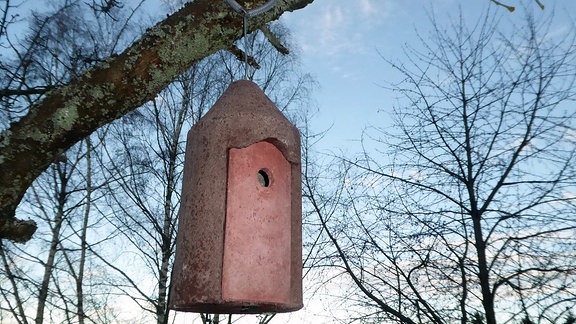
[252, 12]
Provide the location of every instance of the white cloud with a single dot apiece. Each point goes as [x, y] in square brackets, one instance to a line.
[331, 19]
[331, 30]
[367, 7]
[569, 195]
[341, 27]
[570, 136]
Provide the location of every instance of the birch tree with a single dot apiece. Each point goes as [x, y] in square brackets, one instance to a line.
[48, 278]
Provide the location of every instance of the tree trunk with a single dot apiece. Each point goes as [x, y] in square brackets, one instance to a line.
[483, 272]
[161, 308]
[49, 265]
[83, 233]
[18, 311]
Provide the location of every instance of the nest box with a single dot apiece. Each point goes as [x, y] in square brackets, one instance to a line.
[239, 245]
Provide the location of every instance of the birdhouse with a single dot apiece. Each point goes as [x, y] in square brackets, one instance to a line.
[239, 244]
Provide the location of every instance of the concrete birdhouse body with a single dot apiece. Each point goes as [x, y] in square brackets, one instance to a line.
[239, 239]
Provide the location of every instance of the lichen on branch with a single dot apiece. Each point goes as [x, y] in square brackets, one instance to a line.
[108, 91]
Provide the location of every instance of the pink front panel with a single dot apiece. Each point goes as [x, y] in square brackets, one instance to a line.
[256, 265]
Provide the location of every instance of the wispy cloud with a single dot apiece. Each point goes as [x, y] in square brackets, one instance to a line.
[330, 28]
[367, 7]
[341, 26]
[332, 18]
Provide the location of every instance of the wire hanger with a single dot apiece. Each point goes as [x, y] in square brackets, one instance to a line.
[246, 14]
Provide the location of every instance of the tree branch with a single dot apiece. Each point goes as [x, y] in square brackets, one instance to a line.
[110, 90]
[24, 92]
[239, 54]
[274, 40]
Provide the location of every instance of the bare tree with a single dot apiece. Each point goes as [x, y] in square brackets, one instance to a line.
[149, 168]
[145, 155]
[143, 196]
[50, 275]
[465, 211]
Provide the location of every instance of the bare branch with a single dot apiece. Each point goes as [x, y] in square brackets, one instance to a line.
[239, 54]
[274, 40]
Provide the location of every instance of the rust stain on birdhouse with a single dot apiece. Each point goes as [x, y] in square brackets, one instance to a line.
[239, 246]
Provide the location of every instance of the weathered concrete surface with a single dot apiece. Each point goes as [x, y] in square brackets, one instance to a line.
[242, 117]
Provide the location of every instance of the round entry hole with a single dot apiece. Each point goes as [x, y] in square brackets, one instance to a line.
[264, 178]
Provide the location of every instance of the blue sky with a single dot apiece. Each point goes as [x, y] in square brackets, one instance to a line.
[342, 45]
[343, 42]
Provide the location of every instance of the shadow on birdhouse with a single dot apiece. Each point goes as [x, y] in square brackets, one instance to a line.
[239, 245]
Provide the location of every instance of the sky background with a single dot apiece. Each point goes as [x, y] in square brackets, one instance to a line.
[342, 44]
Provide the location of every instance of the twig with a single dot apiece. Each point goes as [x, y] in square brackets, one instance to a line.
[240, 56]
[274, 40]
